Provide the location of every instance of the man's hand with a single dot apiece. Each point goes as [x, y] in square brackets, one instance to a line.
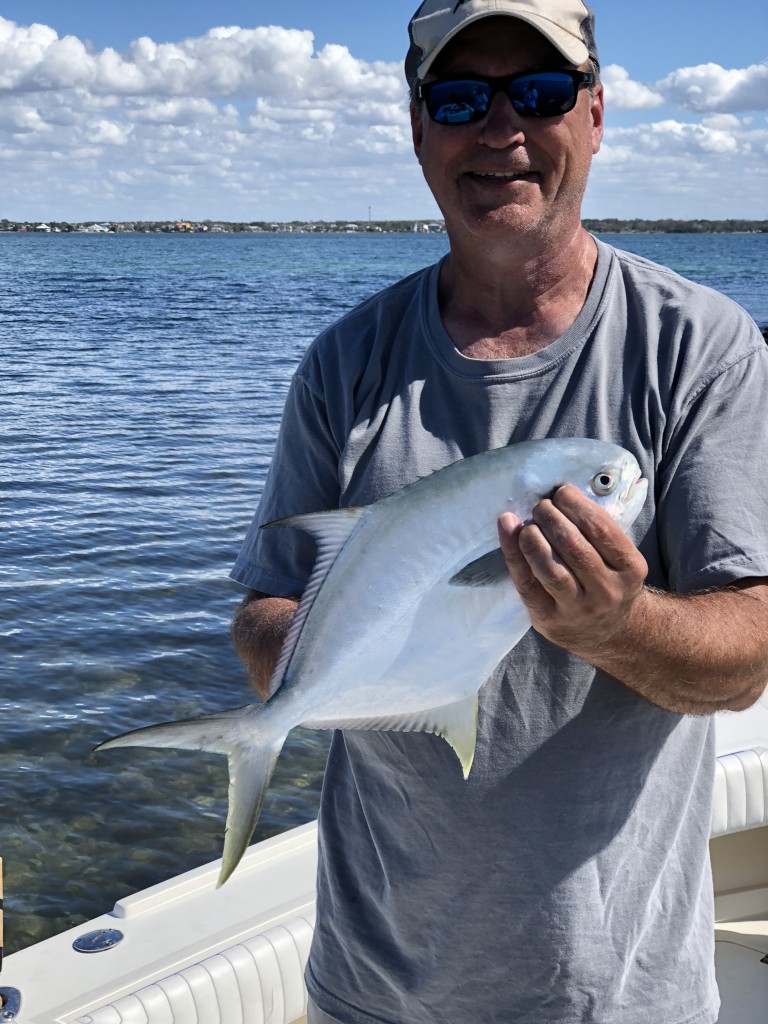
[576, 570]
[581, 579]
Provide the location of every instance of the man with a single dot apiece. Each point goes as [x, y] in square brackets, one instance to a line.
[567, 880]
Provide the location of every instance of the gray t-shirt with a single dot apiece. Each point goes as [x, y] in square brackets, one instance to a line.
[567, 880]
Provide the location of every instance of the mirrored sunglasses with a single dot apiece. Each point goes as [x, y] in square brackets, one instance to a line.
[532, 94]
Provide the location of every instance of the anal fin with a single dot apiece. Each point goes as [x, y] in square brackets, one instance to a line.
[456, 723]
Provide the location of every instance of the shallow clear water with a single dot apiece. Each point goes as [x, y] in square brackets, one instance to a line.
[141, 383]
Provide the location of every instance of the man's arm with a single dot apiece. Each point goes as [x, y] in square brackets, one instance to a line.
[582, 580]
[258, 631]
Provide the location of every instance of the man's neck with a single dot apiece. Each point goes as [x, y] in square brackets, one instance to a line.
[502, 305]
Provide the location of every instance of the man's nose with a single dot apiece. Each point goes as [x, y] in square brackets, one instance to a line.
[503, 126]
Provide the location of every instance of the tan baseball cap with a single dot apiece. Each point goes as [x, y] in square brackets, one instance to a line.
[568, 24]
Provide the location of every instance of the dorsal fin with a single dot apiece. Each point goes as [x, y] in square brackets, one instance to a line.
[331, 531]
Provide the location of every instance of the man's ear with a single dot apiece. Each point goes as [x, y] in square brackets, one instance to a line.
[597, 111]
[417, 130]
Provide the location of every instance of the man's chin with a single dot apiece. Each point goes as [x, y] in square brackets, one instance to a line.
[503, 220]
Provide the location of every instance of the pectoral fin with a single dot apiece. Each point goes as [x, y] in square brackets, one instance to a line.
[488, 571]
[456, 723]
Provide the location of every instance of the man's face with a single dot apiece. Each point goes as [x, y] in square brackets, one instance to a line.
[543, 164]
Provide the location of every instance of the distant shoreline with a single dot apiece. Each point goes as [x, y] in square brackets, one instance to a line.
[597, 225]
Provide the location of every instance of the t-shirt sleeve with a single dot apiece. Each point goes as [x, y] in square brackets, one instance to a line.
[303, 477]
[713, 486]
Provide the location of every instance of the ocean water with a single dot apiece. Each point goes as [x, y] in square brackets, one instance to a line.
[141, 384]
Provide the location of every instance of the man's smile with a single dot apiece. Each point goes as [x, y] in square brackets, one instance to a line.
[503, 176]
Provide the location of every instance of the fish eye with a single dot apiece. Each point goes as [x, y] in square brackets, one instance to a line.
[604, 482]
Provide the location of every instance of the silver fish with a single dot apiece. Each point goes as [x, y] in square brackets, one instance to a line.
[408, 611]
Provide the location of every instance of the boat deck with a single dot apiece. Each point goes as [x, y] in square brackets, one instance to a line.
[742, 971]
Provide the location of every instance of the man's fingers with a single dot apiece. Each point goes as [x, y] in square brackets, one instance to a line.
[572, 545]
[509, 527]
[528, 586]
[542, 548]
[573, 566]
[596, 526]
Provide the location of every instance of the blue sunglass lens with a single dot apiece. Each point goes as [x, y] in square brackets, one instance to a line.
[458, 102]
[544, 94]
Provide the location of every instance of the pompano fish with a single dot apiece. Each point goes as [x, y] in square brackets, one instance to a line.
[408, 611]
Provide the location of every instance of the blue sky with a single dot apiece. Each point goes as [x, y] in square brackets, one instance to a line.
[244, 125]
[649, 38]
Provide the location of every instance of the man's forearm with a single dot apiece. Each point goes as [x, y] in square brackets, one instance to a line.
[692, 654]
[258, 631]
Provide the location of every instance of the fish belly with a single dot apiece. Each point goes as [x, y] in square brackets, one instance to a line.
[438, 651]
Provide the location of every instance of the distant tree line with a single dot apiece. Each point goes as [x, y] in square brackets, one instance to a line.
[233, 227]
[609, 225]
[606, 225]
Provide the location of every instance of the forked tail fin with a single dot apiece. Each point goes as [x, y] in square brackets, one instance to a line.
[252, 751]
[250, 771]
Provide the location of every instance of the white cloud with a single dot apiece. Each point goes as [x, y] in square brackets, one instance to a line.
[709, 87]
[224, 63]
[109, 133]
[670, 139]
[177, 111]
[717, 168]
[725, 122]
[251, 110]
[256, 124]
[621, 93]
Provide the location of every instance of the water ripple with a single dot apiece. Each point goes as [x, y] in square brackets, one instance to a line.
[141, 384]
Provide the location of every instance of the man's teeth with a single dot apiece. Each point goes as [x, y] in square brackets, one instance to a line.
[494, 174]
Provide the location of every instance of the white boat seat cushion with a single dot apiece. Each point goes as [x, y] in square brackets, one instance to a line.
[741, 775]
[741, 792]
[259, 981]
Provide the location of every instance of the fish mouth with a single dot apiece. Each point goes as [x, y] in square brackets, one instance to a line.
[636, 490]
[632, 499]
